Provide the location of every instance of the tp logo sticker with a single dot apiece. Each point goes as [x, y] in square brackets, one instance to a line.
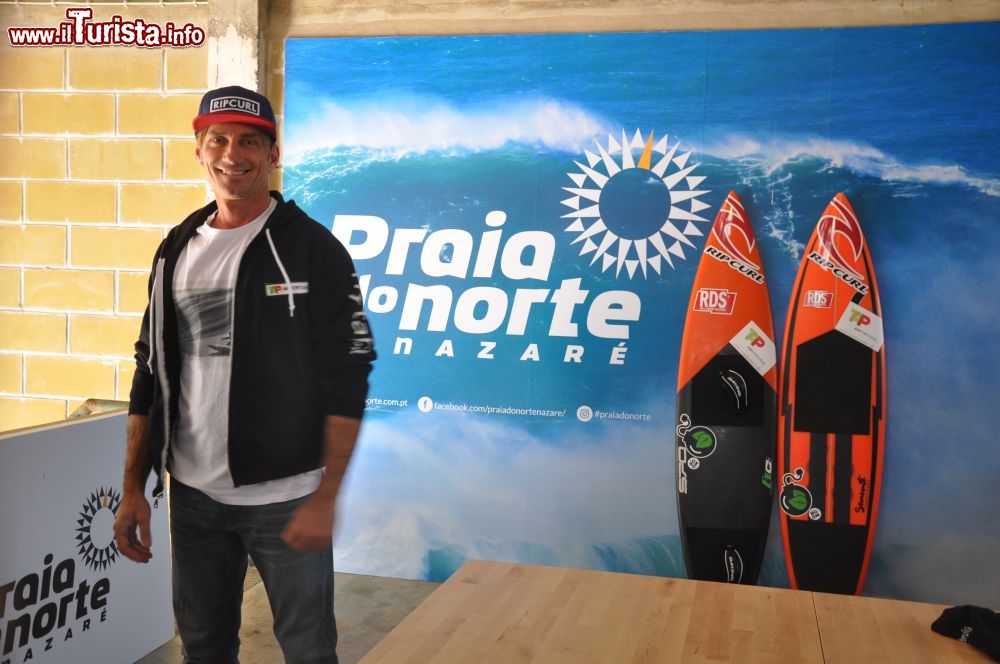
[863, 326]
[756, 348]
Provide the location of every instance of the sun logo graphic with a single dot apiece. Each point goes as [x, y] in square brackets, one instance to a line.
[635, 213]
[95, 539]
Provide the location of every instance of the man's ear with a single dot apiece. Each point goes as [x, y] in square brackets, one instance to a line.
[274, 157]
[197, 156]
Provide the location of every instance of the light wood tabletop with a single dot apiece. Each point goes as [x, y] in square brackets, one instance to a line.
[869, 629]
[509, 613]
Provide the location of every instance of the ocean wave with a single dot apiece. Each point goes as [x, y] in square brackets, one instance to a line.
[575, 492]
[779, 152]
[421, 125]
[660, 555]
[362, 132]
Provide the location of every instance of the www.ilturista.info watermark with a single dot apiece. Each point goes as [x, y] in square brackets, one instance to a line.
[81, 30]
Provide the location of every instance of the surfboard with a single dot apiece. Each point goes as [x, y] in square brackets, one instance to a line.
[726, 407]
[831, 427]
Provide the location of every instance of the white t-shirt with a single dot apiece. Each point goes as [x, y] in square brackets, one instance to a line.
[204, 282]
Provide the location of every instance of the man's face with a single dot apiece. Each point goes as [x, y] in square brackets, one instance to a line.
[237, 159]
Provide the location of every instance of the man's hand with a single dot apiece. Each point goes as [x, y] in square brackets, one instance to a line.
[133, 514]
[311, 527]
[133, 511]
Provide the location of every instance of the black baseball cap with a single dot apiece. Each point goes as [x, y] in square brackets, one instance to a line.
[236, 104]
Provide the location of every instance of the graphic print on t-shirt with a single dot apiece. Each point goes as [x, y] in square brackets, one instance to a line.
[204, 321]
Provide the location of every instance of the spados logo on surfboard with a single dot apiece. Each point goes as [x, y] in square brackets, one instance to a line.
[795, 499]
[694, 443]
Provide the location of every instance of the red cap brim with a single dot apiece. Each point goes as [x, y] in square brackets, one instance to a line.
[206, 119]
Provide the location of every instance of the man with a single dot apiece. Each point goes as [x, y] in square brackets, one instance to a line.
[251, 378]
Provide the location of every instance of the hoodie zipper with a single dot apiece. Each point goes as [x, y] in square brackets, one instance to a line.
[156, 323]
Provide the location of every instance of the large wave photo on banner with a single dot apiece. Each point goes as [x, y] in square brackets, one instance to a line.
[526, 214]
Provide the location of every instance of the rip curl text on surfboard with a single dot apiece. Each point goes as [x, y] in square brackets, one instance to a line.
[739, 266]
[839, 272]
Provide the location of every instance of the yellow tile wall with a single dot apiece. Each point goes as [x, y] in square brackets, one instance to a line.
[118, 159]
[71, 290]
[32, 245]
[18, 413]
[32, 157]
[128, 69]
[108, 247]
[93, 143]
[181, 164]
[187, 69]
[24, 331]
[10, 200]
[133, 292]
[157, 114]
[48, 113]
[10, 113]
[165, 204]
[31, 69]
[103, 335]
[81, 202]
[10, 287]
[10, 373]
[69, 376]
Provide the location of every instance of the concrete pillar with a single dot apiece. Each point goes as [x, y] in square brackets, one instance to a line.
[234, 43]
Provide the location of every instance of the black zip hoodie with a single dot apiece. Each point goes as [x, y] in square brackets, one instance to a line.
[296, 356]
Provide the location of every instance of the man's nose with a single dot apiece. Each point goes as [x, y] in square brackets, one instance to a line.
[232, 151]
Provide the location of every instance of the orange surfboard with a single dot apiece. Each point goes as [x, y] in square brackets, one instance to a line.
[831, 428]
[726, 407]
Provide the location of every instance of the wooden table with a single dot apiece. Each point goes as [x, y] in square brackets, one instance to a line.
[509, 613]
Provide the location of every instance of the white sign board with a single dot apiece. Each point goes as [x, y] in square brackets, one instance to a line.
[66, 593]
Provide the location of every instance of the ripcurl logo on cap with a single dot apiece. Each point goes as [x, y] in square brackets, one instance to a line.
[240, 104]
[235, 104]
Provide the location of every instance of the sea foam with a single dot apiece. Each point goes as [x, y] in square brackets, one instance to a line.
[777, 152]
[421, 125]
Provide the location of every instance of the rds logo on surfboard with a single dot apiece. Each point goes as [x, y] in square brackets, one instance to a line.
[715, 301]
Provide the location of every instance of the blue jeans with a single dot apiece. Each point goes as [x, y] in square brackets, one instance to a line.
[210, 543]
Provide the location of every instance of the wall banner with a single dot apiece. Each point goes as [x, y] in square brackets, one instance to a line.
[66, 593]
[526, 214]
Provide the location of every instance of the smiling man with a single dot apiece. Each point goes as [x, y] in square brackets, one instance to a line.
[251, 376]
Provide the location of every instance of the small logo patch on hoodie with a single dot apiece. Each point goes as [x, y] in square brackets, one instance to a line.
[297, 288]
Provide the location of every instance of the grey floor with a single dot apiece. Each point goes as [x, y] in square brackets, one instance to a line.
[367, 608]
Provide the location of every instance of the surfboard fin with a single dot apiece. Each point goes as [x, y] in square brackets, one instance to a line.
[738, 386]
